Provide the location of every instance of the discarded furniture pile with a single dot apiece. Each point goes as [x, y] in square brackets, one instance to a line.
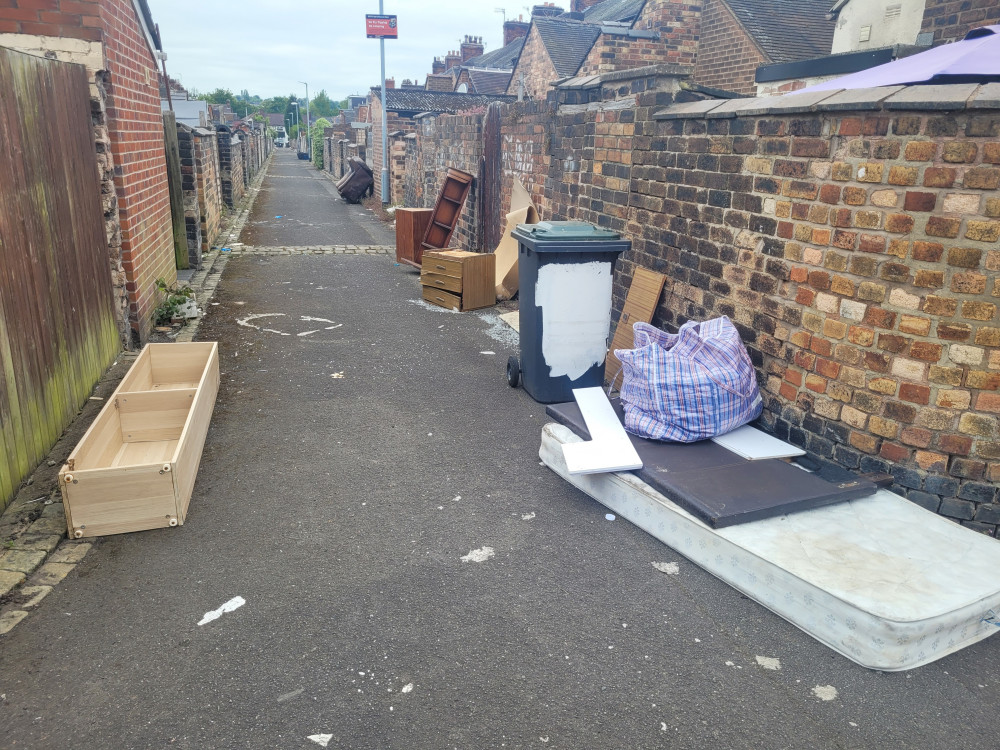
[357, 183]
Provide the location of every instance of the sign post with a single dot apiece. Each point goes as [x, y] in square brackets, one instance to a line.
[383, 27]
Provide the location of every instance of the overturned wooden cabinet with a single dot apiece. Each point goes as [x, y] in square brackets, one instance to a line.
[135, 467]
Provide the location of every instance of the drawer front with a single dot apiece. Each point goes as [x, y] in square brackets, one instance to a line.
[444, 267]
[442, 298]
[440, 281]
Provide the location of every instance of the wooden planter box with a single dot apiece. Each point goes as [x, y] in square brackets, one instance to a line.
[135, 467]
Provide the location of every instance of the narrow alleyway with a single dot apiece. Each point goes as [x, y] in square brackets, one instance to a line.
[412, 577]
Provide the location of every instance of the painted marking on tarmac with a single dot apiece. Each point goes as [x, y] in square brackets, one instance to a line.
[309, 319]
[231, 606]
[527, 516]
[245, 322]
[289, 696]
[307, 333]
[479, 555]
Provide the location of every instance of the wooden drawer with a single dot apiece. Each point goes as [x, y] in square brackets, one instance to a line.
[434, 263]
[440, 281]
[442, 298]
[458, 279]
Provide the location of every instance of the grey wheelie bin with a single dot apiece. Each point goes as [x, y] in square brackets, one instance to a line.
[565, 270]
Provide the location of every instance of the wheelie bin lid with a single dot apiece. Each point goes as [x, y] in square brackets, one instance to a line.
[563, 236]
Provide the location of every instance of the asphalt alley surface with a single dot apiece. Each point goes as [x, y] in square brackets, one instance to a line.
[349, 478]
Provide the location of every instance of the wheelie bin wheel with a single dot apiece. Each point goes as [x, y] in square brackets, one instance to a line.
[513, 372]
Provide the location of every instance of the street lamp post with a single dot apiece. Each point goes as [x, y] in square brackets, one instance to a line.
[385, 133]
[308, 134]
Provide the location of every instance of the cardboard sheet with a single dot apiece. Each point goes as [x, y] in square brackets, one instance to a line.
[643, 294]
[522, 211]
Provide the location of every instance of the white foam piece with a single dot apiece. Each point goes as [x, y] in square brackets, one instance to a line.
[880, 580]
[755, 445]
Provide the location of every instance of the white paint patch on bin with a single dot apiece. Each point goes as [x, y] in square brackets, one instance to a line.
[575, 300]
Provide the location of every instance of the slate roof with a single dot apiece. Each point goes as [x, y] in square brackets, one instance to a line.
[489, 81]
[786, 30]
[503, 58]
[438, 102]
[567, 42]
[614, 11]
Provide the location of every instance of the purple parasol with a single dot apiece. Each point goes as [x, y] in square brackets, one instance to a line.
[975, 59]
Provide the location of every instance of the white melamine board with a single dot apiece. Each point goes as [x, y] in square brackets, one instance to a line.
[754, 445]
[609, 448]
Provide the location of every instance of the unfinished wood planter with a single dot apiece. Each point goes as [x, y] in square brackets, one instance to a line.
[135, 467]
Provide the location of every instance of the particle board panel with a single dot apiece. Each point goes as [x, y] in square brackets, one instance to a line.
[440, 281]
[720, 487]
[640, 303]
[185, 365]
[443, 299]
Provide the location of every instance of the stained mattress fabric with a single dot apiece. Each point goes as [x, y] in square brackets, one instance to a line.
[719, 486]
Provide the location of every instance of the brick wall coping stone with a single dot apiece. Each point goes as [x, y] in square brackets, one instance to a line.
[630, 33]
[630, 74]
[947, 97]
[605, 106]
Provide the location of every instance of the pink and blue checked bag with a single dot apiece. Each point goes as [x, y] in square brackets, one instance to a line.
[690, 386]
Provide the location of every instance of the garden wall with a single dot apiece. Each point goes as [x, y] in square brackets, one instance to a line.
[852, 238]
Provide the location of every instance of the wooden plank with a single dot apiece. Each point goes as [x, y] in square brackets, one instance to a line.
[146, 453]
[187, 458]
[154, 415]
[99, 443]
[140, 374]
[440, 281]
[117, 500]
[640, 303]
[179, 363]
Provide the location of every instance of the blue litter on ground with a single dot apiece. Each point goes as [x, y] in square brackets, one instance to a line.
[279, 217]
[226, 250]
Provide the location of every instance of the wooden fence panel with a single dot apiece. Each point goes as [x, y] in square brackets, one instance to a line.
[57, 324]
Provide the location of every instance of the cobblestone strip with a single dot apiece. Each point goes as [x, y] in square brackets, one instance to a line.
[317, 250]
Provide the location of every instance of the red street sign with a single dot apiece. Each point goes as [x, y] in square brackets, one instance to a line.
[381, 27]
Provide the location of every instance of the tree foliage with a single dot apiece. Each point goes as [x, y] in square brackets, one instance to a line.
[323, 105]
[316, 136]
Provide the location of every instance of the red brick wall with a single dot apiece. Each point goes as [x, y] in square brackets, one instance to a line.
[727, 57]
[536, 66]
[77, 19]
[136, 126]
[951, 20]
[679, 24]
[616, 52]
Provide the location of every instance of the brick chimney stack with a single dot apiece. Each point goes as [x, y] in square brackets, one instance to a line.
[472, 46]
[438, 66]
[452, 60]
[515, 30]
[549, 9]
[390, 83]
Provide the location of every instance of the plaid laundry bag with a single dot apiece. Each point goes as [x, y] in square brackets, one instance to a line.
[690, 386]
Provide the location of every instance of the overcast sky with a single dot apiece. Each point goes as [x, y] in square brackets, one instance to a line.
[267, 47]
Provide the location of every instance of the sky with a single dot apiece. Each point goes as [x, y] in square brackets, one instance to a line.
[268, 47]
